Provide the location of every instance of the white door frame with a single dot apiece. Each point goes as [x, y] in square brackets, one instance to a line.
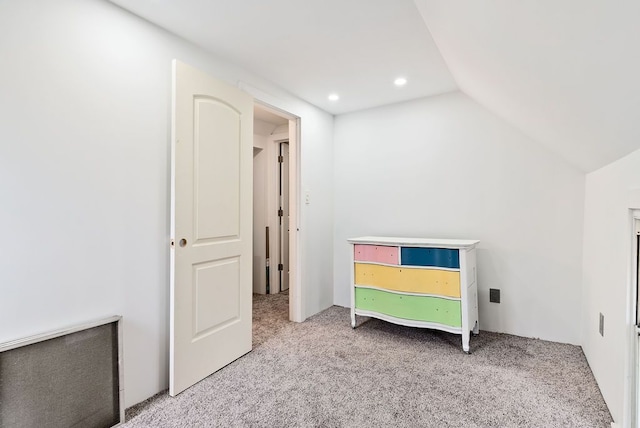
[296, 291]
[631, 416]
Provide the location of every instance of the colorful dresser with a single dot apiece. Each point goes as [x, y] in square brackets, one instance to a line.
[416, 282]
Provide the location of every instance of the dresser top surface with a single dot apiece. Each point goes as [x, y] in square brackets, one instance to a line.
[415, 242]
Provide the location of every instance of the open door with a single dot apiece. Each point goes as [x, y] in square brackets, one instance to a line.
[211, 226]
[283, 161]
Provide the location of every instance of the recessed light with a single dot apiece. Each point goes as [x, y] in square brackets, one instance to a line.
[400, 81]
[334, 97]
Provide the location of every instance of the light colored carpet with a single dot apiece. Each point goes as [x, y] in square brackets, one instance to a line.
[323, 373]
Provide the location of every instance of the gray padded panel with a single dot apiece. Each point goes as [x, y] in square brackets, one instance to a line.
[68, 381]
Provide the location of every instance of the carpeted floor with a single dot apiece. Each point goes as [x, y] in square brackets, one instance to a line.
[323, 373]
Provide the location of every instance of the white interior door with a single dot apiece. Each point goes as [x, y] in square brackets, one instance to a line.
[284, 225]
[211, 222]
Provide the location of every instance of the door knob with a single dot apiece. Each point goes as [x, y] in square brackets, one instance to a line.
[183, 242]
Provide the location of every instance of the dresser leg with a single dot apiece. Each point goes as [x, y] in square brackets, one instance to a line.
[476, 329]
[465, 341]
[353, 319]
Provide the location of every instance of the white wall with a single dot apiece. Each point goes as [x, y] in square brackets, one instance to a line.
[610, 193]
[445, 167]
[84, 176]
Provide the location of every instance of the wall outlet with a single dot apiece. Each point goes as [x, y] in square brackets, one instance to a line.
[601, 326]
[494, 295]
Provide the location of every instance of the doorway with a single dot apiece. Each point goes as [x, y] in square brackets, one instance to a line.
[211, 205]
[275, 211]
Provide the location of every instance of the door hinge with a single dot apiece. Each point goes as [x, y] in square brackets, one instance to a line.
[280, 159]
[280, 266]
[280, 212]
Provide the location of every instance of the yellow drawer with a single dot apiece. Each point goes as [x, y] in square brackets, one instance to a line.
[410, 280]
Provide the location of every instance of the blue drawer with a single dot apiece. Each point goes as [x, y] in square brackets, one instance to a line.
[437, 257]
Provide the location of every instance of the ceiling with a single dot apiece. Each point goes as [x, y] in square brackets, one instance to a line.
[355, 48]
[265, 115]
[564, 72]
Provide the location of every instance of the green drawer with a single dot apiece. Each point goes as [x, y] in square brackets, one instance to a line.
[410, 307]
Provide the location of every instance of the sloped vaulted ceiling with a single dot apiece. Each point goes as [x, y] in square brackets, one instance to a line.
[565, 72]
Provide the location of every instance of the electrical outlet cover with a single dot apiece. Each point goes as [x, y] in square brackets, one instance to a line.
[601, 325]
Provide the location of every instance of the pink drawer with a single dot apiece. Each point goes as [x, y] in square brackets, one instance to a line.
[376, 254]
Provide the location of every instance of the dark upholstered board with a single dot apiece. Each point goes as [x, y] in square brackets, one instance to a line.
[68, 381]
